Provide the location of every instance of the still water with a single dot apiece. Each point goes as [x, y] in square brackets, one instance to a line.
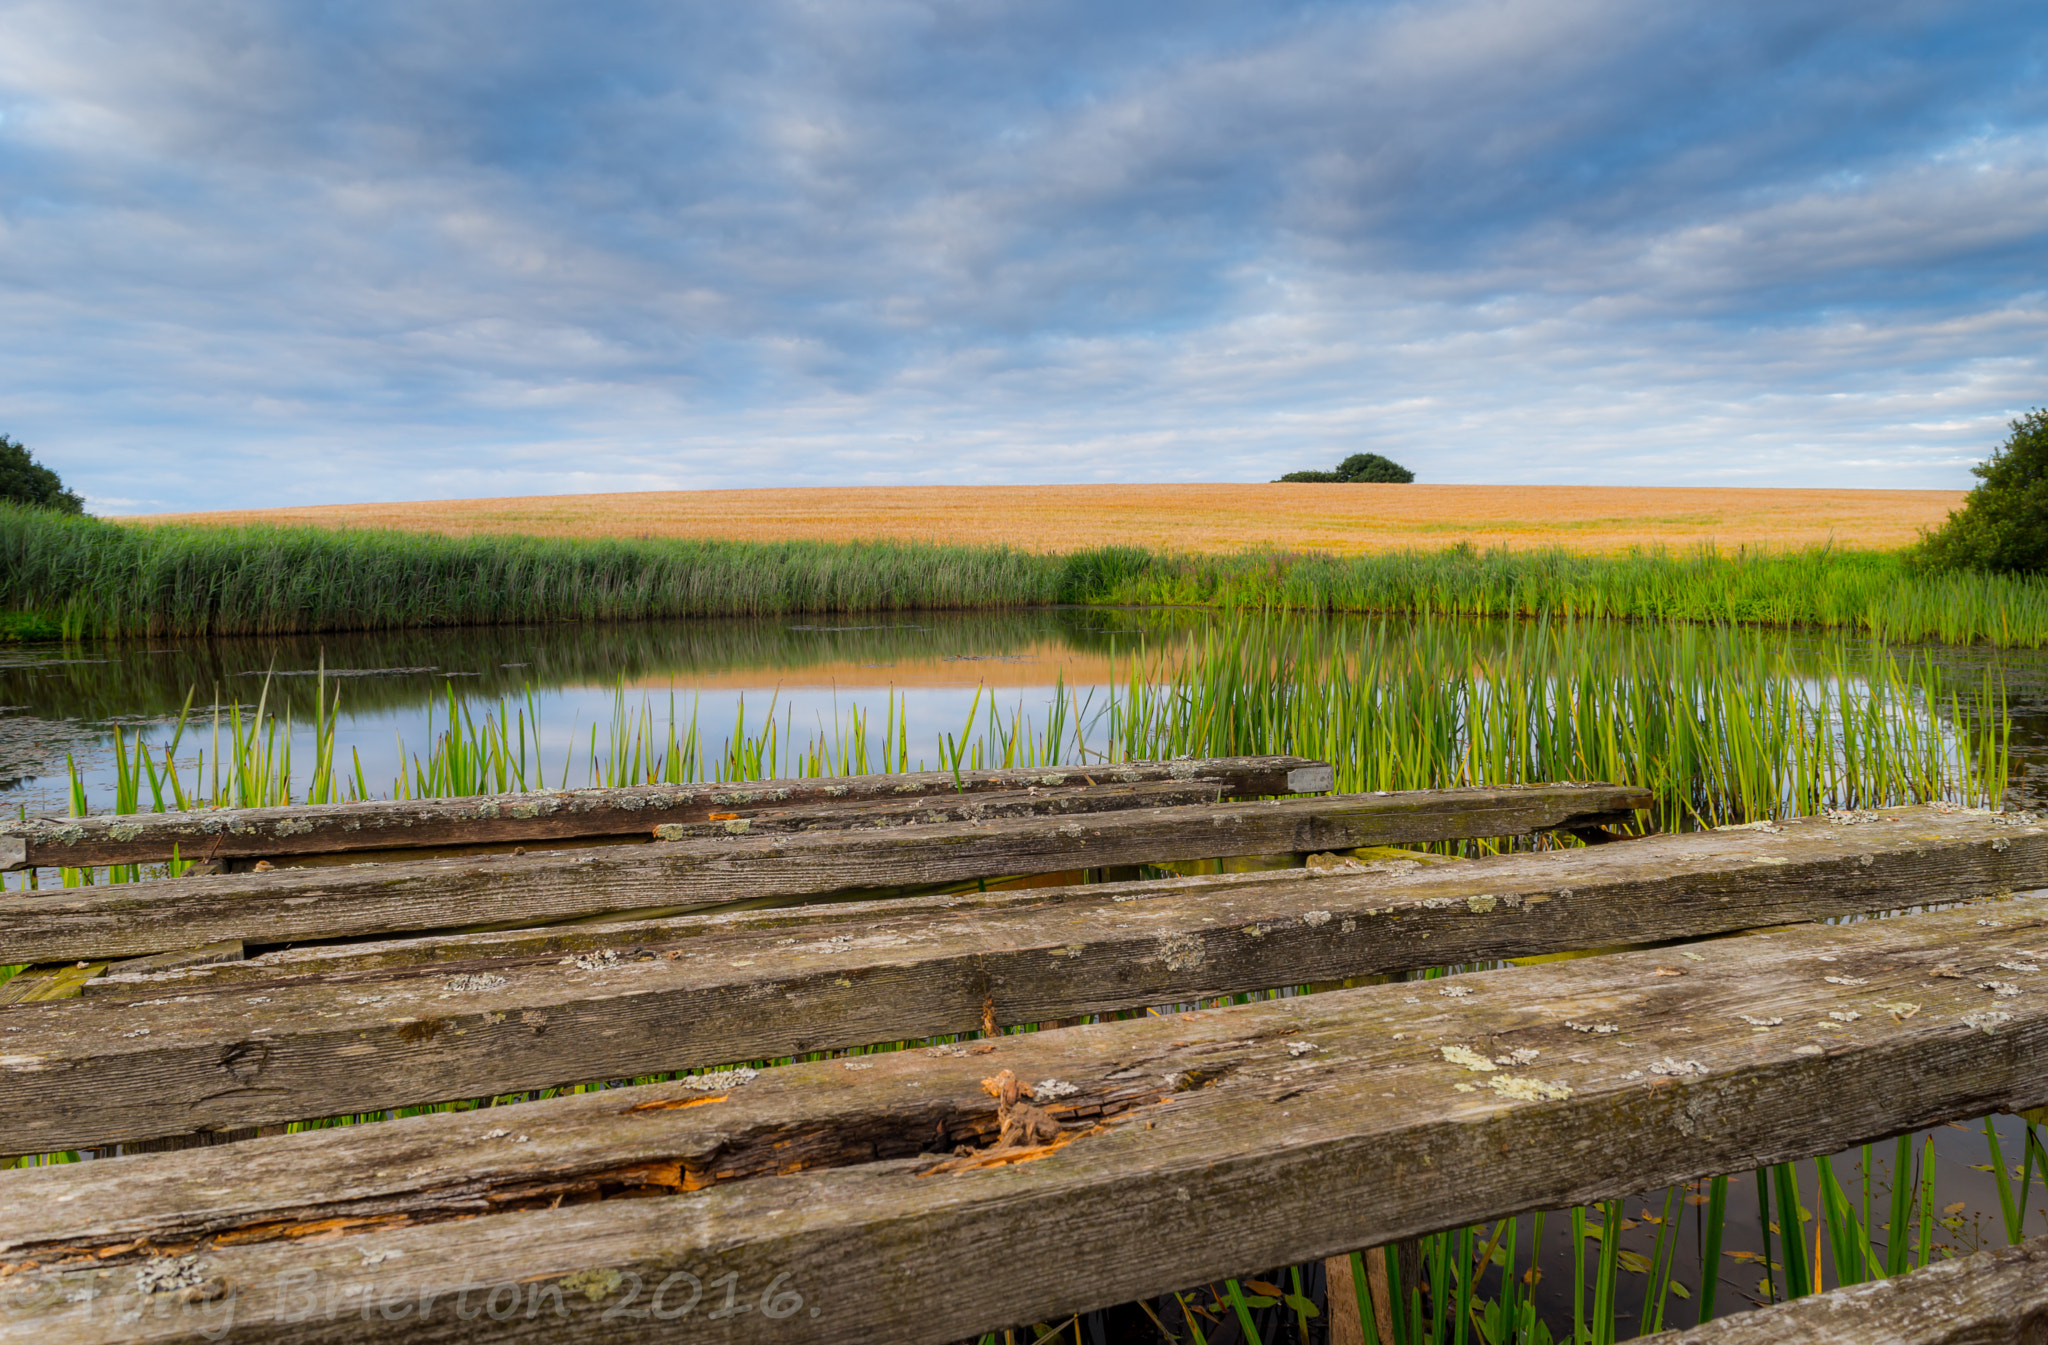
[927, 671]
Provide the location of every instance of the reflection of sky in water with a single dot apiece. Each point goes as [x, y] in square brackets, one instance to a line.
[814, 672]
[815, 677]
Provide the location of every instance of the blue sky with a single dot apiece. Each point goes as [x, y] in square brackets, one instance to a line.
[256, 254]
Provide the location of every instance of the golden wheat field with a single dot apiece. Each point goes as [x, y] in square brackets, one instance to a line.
[1336, 518]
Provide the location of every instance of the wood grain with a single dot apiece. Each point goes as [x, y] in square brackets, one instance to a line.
[175, 1056]
[232, 833]
[133, 919]
[1192, 1147]
[1992, 1296]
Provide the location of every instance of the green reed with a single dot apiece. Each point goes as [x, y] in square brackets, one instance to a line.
[1870, 592]
[103, 579]
[84, 576]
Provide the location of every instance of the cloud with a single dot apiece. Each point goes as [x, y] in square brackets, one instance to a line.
[264, 255]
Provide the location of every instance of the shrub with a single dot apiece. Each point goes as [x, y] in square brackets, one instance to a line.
[1373, 467]
[16, 627]
[2003, 524]
[1360, 467]
[25, 481]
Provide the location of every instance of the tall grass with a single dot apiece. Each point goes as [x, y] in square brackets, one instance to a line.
[95, 578]
[98, 578]
[1721, 725]
[1870, 592]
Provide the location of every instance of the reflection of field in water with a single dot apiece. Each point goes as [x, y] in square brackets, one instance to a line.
[924, 670]
[394, 686]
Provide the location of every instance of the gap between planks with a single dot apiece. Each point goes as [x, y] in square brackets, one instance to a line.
[214, 834]
[133, 919]
[172, 1058]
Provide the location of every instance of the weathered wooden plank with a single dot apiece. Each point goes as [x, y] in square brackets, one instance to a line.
[504, 818]
[1069, 801]
[132, 919]
[42, 985]
[1270, 1133]
[1992, 1296]
[179, 1058]
[1066, 802]
[212, 954]
[628, 930]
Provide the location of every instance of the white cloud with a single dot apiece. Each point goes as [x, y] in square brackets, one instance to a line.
[451, 248]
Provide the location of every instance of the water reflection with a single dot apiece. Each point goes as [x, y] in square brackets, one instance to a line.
[812, 671]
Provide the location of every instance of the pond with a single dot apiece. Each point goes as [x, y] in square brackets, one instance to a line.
[917, 677]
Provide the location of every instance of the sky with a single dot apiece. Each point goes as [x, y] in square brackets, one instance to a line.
[258, 254]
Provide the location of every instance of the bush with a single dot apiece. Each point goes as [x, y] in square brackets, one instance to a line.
[25, 481]
[1360, 467]
[16, 627]
[1373, 467]
[2003, 524]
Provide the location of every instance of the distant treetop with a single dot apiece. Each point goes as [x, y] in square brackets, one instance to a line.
[25, 481]
[1360, 467]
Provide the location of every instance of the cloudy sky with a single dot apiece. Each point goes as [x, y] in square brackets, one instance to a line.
[282, 253]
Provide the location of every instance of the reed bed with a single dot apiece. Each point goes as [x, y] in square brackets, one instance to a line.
[1874, 593]
[1722, 724]
[99, 579]
[90, 578]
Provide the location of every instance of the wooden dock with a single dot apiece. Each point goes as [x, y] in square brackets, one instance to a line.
[940, 1191]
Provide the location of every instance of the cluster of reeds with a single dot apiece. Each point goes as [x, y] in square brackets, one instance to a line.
[97, 578]
[103, 579]
[1871, 592]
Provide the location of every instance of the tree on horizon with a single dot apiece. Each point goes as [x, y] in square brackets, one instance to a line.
[23, 480]
[1366, 467]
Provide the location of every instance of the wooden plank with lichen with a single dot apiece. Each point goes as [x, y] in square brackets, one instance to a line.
[133, 919]
[42, 985]
[240, 1045]
[881, 1194]
[1996, 1295]
[261, 833]
[857, 816]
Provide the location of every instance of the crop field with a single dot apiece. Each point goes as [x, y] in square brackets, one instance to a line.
[1340, 519]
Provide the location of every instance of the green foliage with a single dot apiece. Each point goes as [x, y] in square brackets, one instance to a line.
[25, 481]
[97, 578]
[1365, 467]
[2003, 524]
[112, 579]
[16, 627]
[1866, 591]
[1373, 467]
[1097, 574]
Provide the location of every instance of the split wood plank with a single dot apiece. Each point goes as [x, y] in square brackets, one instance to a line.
[132, 919]
[42, 985]
[111, 1070]
[1270, 1133]
[1999, 1295]
[1069, 802]
[556, 815]
[1063, 802]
